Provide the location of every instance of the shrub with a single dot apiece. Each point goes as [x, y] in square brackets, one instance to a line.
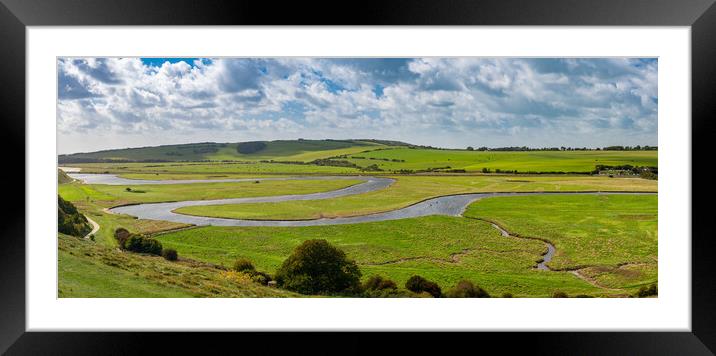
[128, 189]
[142, 244]
[121, 235]
[559, 294]
[466, 289]
[243, 265]
[170, 254]
[316, 267]
[375, 283]
[419, 284]
[647, 292]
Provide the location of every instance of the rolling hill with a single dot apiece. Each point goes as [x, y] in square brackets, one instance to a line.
[280, 150]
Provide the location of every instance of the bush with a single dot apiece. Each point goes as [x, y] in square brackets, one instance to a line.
[559, 294]
[170, 254]
[121, 235]
[465, 289]
[419, 284]
[647, 292]
[243, 265]
[141, 244]
[375, 283]
[316, 267]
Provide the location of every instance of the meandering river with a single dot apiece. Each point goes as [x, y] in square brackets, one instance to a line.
[451, 205]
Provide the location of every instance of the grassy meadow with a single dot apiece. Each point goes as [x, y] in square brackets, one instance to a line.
[606, 244]
[530, 161]
[440, 248]
[608, 233]
[408, 190]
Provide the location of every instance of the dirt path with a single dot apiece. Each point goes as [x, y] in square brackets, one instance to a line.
[95, 227]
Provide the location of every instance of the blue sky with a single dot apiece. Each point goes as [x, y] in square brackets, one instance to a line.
[450, 102]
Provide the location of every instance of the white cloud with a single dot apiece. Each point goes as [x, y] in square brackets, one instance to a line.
[438, 101]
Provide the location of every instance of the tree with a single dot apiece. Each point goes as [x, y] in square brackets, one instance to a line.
[419, 284]
[470, 148]
[316, 267]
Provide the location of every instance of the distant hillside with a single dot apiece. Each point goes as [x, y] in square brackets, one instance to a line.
[280, 150]
[70, 221]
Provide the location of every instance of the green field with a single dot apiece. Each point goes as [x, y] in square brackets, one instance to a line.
[118, 194]
[530, 161]
[440, 248]
[213, 170]
[411, 189]
[606, 245]
[604, 232]
[94, 199]
[390, 157]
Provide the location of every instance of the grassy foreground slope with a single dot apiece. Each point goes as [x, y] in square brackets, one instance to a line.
[529, 161]
[285, 150]
[615, 235]
[411, 189]
[440, 248]
[86, 270]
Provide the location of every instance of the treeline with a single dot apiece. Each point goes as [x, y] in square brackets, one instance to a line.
[379, 159]
[331, 162]
[563, 148]
[646, 172]
[70, 221]
[70, 160]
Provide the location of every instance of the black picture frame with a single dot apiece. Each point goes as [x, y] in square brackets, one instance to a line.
[699, 15]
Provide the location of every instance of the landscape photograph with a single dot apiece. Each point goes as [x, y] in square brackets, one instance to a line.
[302, 177]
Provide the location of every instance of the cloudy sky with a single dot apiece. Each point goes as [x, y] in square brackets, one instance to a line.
[447, 102]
